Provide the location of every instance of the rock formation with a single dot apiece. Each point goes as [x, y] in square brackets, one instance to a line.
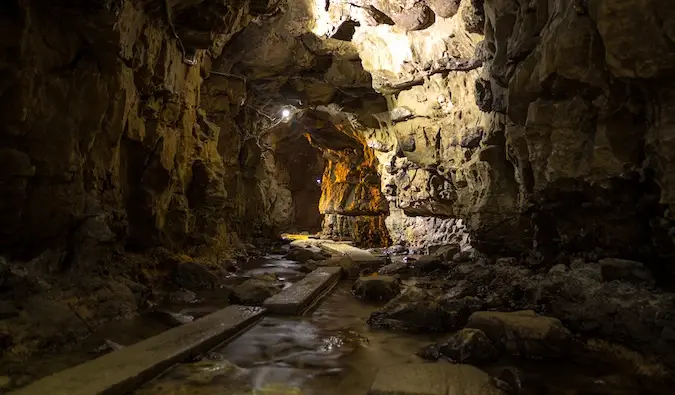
[150, 140]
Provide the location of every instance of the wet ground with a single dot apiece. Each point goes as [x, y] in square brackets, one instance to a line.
[332, 351]
[329, 351]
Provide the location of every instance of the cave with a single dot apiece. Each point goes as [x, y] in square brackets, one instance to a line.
[326, 197]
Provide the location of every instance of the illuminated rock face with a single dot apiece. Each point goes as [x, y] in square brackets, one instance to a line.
[540, 124]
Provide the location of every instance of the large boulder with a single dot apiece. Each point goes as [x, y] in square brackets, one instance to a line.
[418, 311]
[193, 275]
[303, 255]
[254, 291]
[524, 333]
[470, 346]
[438, 260]
[377, 288]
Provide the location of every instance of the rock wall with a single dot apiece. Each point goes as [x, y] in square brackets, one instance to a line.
[580, 91]
[118, 143]
[351, 200]
[541, 124]
[105, 134]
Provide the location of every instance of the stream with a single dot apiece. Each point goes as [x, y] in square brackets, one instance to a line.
[332, 351]
[328, 351]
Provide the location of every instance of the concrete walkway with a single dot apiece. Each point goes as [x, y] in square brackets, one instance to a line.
[126, 369]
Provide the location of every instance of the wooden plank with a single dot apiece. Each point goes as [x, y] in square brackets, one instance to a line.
[126, 369]
[297, 298]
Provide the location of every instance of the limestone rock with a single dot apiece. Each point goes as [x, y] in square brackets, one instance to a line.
[193, 275]
[303, 255]
[524, 333]
[416, 310]
[254, 291]
[376, 288]
[470, 346]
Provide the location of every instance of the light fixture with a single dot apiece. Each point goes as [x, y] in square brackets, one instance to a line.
[285, 113]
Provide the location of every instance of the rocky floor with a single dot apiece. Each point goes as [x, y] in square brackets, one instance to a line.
[499, 314]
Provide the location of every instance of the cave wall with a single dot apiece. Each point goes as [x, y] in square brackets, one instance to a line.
[581, 92]
[109, 137]
[540, 124]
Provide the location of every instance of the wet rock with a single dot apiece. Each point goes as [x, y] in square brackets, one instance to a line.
[310, 266]
[438, 259]
[182, 296]
[254, 291]
[624, 270]
[430, 353]
[193, 275]
[43, 323]
[107, 347]
[376, 288]
[524, 333]
[353, 268]
[512, 378]
[396, 249]
[558, 269]
[303, 255]
[463, 256]
[470, 346]
[417, 310]
[399, 268]
[461, 289]
[100, 300]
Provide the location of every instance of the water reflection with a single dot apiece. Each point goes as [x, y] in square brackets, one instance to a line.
[330, 352]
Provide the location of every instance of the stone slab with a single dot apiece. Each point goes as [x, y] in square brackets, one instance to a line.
[433, 379]
[297, 298]
[126, 369]
[354, 253]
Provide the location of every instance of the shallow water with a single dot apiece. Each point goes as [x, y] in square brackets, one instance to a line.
[331, 351]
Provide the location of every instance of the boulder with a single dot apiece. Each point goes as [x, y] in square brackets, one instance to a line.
[254, 291]
[444, 8]
[303, 255]
[524, 333]
[418, 311]
[470, 346]
[193, 275]
[438, 259]
[430, 353]
[624, 270]
[377, 288]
